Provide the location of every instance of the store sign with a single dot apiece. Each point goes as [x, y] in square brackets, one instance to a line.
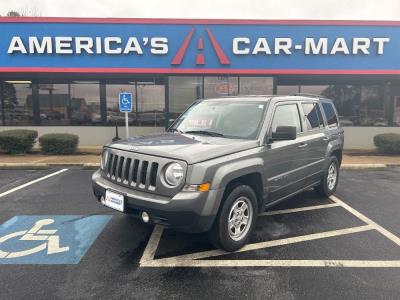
[166, 46]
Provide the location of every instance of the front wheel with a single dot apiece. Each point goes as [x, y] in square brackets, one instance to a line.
[330, 179]
[236, 219]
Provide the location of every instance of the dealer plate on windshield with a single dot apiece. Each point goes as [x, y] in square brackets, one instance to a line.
[114, 200]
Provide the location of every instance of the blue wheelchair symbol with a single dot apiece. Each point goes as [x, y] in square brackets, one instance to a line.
[48, 239]
[125, 102]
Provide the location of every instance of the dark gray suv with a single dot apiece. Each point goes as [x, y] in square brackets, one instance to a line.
[222, 162]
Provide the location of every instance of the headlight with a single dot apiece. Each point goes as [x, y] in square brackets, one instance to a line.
[104, 158]
[173, 174]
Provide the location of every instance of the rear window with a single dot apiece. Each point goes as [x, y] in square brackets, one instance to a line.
[330, 113]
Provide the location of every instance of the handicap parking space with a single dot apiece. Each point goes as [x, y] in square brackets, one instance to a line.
[57, 241]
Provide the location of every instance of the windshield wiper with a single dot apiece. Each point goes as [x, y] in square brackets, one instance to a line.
[210, 133]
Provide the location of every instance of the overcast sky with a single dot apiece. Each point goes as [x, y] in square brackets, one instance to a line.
[243, 9]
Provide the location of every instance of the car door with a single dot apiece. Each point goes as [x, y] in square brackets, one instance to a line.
[284, 160]
[316, 140]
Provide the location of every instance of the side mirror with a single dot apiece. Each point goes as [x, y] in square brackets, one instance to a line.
[284, 133]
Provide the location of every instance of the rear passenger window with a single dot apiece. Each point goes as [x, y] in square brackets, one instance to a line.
[313, 115]
[330, 113]
[286, 115]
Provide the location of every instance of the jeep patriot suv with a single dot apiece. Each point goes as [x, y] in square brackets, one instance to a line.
[222, 162]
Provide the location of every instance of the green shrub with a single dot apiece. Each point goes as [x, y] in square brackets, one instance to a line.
[388, 143]
[59, 143]
[18, 140]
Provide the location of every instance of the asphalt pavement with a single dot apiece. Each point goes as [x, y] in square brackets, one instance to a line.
[343, 247]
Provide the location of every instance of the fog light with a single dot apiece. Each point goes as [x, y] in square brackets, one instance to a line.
[145, 217]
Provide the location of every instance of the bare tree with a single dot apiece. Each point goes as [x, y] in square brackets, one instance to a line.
[31, 11]
[13, 13]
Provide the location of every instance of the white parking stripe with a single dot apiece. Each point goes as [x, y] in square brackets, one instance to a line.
[199, 259]
[31, 182]
[277, 263]
[273, 243]
[299, 209]
[151, 248]
[367, 220]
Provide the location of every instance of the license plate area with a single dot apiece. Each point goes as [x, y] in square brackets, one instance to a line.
[114, 200]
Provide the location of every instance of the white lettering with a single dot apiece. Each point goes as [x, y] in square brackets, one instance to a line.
[261, 46]
[83, 43]
[45, 46]
[98, 45]
[361, 44]
[107, 45]
[238, 50]
[16, 44]
[159, 45]
[312, 48]
[381, 42]
[340, 46]
[283, 44]
[63, 44]
[133, 46]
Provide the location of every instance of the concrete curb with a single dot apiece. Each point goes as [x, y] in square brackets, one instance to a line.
[363, 166]
[23, 166]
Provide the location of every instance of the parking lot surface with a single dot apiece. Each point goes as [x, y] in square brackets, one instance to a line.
[56, 241]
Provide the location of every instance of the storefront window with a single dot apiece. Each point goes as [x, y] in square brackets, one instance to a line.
[183, 91]
[219, 86]
[357, 105]
[256, 85]
[112, 98]
[150, 104]
[85, 103]
[54, 104]
[16, 103]
[285, 90]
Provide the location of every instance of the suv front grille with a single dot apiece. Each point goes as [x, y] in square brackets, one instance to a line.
[133, 172]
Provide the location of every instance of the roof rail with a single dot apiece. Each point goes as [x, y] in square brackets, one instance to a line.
[307, 95]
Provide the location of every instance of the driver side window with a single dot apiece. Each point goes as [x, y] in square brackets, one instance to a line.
[286, 115]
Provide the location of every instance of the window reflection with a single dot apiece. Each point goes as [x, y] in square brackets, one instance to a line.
[85, 103]
[54, 104]
[219, 86]
[256, 85]
[148, 103]
[112, 98]
[183, 91]
[16, 103]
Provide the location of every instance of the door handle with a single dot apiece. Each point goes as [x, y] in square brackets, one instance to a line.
[325, 139]
[302, 145]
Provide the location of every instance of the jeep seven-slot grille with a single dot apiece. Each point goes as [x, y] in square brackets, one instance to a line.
[130, 171]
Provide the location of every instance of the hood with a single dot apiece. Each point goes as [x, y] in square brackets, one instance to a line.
[187, 147]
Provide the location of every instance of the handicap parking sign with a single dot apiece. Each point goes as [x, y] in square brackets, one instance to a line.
[62, 239]
[125, 102]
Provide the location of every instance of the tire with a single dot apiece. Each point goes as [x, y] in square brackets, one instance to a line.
[240, 203]
[330, 179]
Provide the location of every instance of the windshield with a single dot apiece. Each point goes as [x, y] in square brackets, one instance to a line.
[231, 119]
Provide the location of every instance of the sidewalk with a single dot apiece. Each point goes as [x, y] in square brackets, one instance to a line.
[91, 160]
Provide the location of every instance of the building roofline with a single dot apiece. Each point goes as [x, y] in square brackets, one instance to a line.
[197, 21]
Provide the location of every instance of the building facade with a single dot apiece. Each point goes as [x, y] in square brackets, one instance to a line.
[65, 74]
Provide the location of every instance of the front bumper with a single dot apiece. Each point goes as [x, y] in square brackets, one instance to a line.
[186, 211]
